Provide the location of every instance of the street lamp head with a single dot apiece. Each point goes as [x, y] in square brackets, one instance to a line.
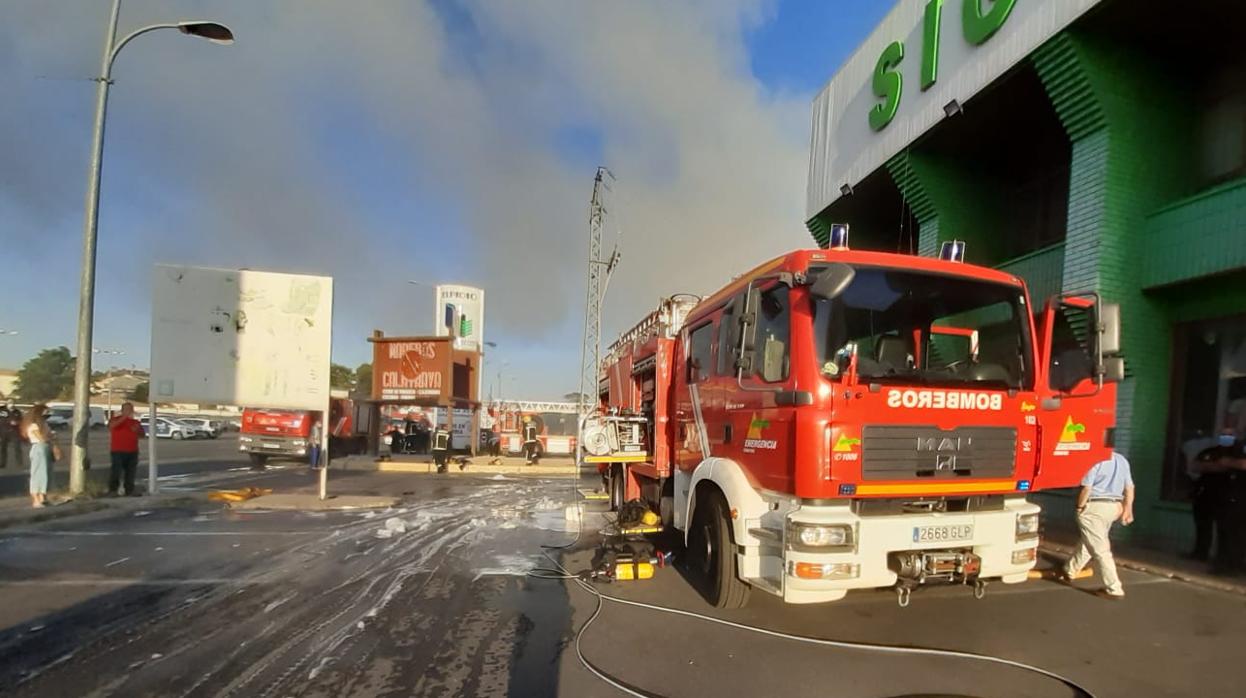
[216, 33]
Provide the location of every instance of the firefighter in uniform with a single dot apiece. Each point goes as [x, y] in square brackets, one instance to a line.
[441, 448]
[531, 447]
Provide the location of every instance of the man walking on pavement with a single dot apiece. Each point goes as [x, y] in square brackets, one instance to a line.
[124, 432]
[531, 447]
[1107, 494]
[10, 434]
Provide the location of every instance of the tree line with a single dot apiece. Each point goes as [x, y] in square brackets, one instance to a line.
[50, 376]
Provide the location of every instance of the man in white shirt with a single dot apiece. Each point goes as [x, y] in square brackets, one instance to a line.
[1107, 494]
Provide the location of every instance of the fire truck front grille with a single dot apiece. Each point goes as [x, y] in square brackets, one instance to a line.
[905, 452]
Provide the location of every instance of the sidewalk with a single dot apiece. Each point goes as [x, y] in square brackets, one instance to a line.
[310, 501]
[477, 465]
[1058, 544]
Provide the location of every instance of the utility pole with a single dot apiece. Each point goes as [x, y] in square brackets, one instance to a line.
[212, 31]
[599, 271]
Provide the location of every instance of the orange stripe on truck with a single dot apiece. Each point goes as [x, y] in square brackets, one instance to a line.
[954, 487]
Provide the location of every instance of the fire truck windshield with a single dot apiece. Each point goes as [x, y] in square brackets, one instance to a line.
[932, 329]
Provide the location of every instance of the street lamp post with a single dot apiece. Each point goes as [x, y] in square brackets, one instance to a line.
[212, 31]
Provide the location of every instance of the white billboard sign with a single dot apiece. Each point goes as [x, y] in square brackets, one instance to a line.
[249, 338]
[948, 50]
[460, 313]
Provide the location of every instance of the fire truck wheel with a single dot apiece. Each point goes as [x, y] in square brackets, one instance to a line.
[618, 487]
[712, 554]
[258, 461]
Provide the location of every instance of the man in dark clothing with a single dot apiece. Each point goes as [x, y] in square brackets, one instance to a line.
[441, 448]
[1226, 463]
[124, 433]
[10, 434]
[1206, 488]
[531, 447]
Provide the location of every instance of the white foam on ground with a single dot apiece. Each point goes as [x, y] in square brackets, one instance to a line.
[507, 566]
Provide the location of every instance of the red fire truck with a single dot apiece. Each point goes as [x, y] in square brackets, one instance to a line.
[555, 425]
[268, 433]
[839, 419]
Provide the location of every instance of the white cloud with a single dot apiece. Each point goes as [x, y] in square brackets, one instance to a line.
[245, 155]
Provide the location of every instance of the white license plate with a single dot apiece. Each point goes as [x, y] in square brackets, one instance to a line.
[942, 534]
[271, 445]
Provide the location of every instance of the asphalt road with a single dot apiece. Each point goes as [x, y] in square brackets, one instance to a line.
[206, 602]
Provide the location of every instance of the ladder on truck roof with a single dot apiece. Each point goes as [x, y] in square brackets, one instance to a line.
[663, 322]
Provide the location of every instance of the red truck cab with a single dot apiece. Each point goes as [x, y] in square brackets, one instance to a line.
[269, 433]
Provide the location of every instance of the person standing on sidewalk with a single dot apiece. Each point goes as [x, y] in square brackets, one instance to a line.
[42, 453]
[10, 434]
[1107, 494]
[124, 433]
[313, 444]
[1225, 464]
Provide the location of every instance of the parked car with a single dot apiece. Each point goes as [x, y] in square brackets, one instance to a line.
[61, 415]
[204, 428]
[60, 418]
[169, 429]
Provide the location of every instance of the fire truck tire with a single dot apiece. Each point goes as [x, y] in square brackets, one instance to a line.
[618, 487]
[258, 460]
[712, 553]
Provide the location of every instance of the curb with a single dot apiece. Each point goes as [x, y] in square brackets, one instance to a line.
[1064, 552]
[83, 507]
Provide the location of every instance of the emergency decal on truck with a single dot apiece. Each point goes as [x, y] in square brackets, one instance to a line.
[945, 399]
[845, 443]
[753, 439]
[1068, 438]
[845, 448]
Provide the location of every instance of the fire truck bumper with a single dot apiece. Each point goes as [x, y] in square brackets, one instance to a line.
[915, 549]
[272, 445]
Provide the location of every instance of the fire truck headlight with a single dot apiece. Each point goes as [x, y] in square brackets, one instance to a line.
[1027, 526]
[820, 536]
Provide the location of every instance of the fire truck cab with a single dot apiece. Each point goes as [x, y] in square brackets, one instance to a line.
[839, 419]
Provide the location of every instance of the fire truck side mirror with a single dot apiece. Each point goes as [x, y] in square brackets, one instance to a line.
[1113, 369]
[832, 281]
[1109, 328]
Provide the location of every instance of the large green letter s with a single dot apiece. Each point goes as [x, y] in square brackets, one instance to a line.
[887, 85]
[980, 26]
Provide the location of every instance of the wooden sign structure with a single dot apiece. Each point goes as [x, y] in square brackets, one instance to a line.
[423, 371]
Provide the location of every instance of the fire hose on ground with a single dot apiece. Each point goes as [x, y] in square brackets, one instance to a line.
[559, 572]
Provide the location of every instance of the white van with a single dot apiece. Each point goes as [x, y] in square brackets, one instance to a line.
[61, 415]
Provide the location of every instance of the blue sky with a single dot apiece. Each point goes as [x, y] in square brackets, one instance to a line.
[450, 140]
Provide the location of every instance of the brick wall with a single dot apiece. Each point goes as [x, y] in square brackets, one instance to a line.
[1126, 120]
[1199, 236]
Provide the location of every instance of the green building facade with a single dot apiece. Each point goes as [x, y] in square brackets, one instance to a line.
[1104, 150]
